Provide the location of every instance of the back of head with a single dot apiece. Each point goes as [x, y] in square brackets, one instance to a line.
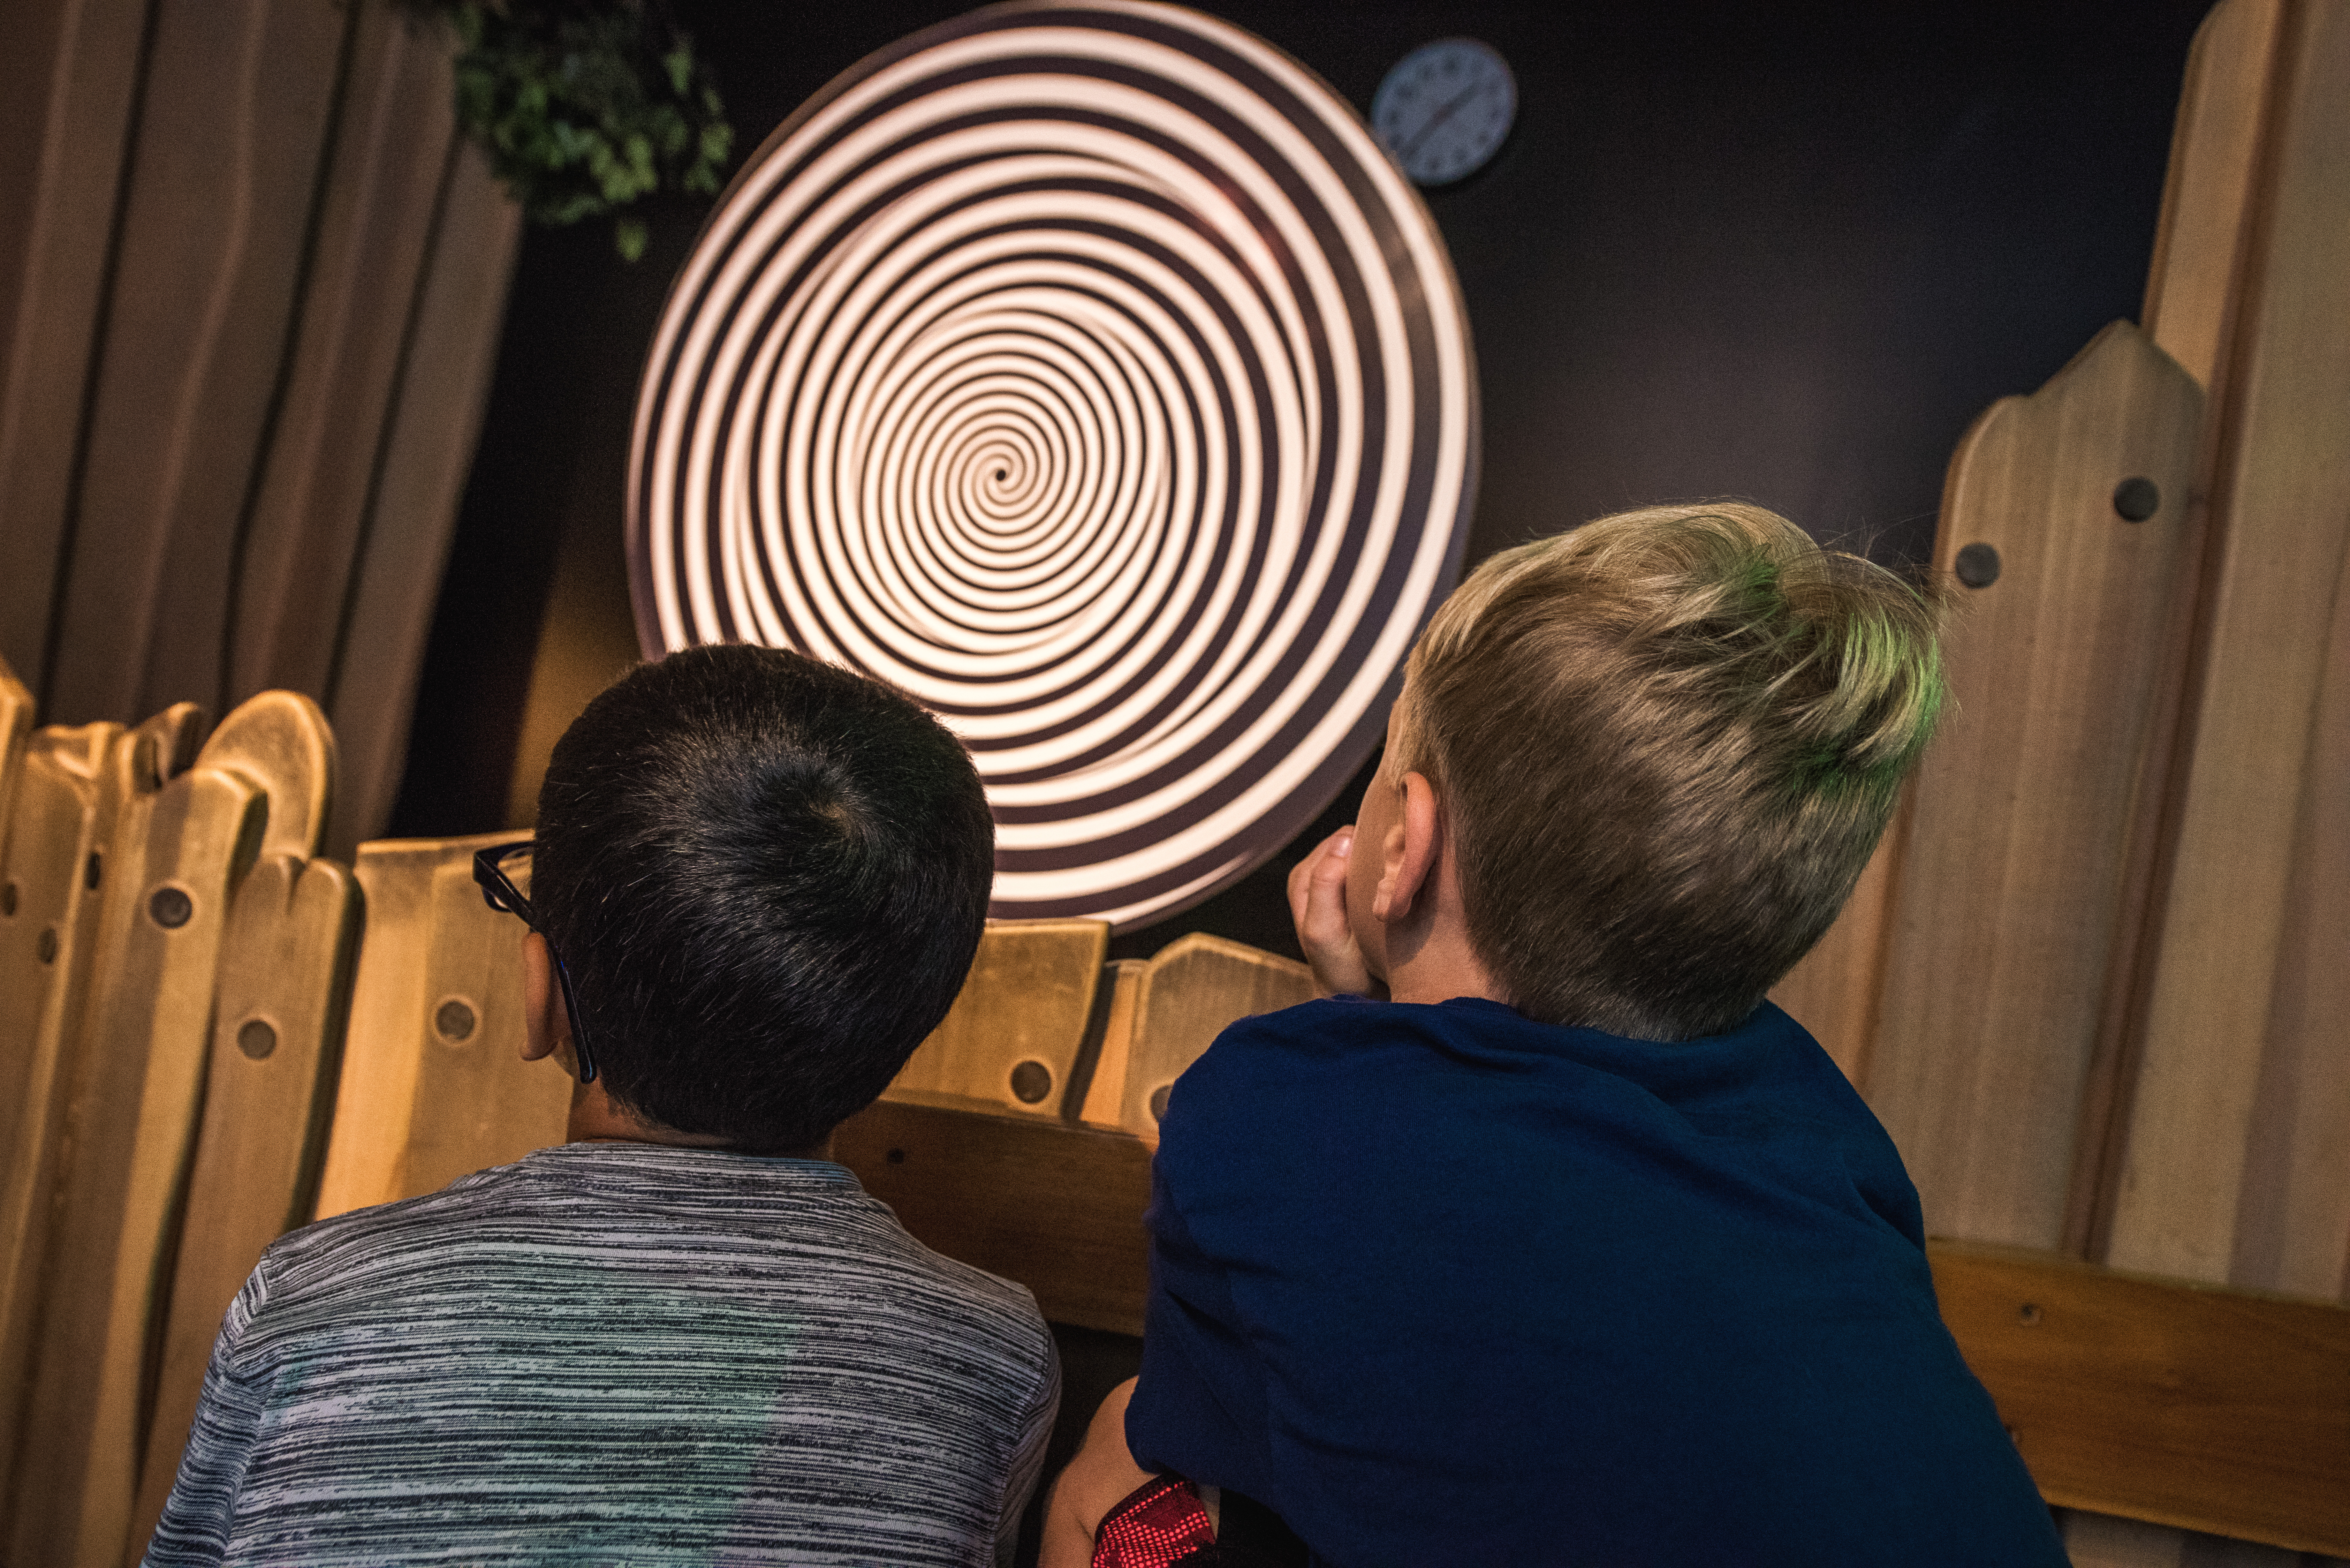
[767, 876]
[1668, 741]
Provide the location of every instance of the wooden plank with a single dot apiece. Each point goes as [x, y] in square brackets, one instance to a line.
[1056, 1207]
[280, 742]
[69, 71]
[2217, 200]
[285, 989]
[177, 850]
[2208, 195]
[433, 1085]
[2292, 1219]
[233, 120]
[376, 1093]
[1195, 987]
[2008, 914]
[1034, 996]
[172, 866]
[2216, 1410]
[1012, 1041]
[49, 918]
[375, 231]
[2281, 506]
[1105, 1098]
[1834, 989]
[427, 450]
[15, 728]
[478, 1102]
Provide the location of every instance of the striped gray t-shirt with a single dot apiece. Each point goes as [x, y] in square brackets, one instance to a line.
[617, 1353]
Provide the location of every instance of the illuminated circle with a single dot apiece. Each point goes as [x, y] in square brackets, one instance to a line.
[1089, 373]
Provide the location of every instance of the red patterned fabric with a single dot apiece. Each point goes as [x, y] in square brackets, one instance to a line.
[1158, 1523]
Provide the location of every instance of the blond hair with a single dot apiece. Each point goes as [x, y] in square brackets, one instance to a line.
[1668, 741]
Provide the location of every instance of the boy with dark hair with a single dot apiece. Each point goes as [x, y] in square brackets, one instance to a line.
[685, 1335]
[1545, 1238]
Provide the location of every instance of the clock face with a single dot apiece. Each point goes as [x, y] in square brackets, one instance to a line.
[1445, 108]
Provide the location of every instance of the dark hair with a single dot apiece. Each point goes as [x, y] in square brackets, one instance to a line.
[767, 876]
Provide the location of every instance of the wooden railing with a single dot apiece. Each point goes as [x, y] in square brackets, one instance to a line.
[197, 1052]
[2214, 1409]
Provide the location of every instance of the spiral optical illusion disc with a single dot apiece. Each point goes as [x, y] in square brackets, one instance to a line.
[1089, 373]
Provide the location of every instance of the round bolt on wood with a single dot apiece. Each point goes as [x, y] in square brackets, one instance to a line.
[2030, 1314]
[2137, 498]
[453, 1021]
[896, 1157]
[1978, 566]
[257, 1037]
[1031, 1082]
[47, 948]
[1158, 1102]
[170, 908]
[8, 898]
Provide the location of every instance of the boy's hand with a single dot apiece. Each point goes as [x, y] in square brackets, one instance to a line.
[1097, 1479]
[1317, 903]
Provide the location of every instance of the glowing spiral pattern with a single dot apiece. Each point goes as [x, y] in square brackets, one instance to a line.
[1089, 373]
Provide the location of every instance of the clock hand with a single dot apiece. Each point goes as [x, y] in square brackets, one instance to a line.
[1436, 119]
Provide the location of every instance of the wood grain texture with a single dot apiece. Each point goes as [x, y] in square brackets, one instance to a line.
[426, 452]
[2281, 506]
[2229, 1153]
[285, 990]
[2008, 909]
[130, 1126]
[1057, 1209]
[2209, 195]
[1106, 1085]
[2216, 1409]
[2208, 1409]
[187, 829]
[374, 240]
[433, 1084]
[1029, 998]
[2293, 1213]
[15, 728]
[63, 807]
[235, 117]
[280, 742]
[69, 71]
[1194, 988]
[1833, 991]
[282, 334]
[375, 1095]
[2105, 1540]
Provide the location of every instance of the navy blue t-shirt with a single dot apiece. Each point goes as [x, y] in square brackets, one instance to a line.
[1445, 1285]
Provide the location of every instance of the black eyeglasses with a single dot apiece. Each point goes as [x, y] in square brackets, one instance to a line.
[499, 892]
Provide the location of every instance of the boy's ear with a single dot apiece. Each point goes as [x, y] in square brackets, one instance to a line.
[1409, 850]
[545, 1026]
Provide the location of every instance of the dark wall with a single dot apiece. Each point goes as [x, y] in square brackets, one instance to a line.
[1785, 252]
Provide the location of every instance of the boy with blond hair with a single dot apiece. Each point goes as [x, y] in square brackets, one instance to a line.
[1543, 1238]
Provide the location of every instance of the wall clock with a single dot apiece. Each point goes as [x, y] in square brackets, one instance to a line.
[1445, 109]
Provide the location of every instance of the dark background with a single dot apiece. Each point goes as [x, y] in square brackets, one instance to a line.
[1783, 251]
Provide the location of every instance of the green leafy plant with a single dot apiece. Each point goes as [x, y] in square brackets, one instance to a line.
[585, 106]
